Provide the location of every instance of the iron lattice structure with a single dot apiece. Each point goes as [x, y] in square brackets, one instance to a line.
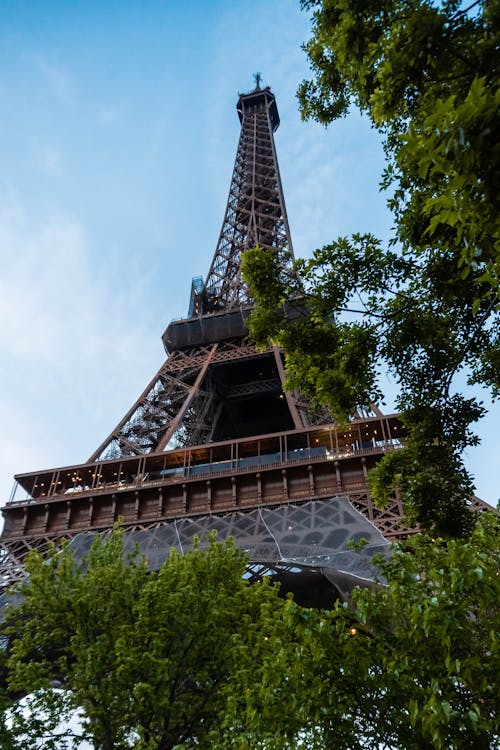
[255, 211]
[191, 400]
[214, 440]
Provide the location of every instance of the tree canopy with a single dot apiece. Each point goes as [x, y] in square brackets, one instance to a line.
[411, 663]
[425, 308]
[149, 658]
[192, 656]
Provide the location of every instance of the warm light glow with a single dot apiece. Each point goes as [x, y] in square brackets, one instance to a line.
[353, 631]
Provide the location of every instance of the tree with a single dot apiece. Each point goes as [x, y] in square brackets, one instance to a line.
[64, 632]
[427, 307]
[149, 658]
[43, 720]
[192, 656]
[409, 664]
[427, 76]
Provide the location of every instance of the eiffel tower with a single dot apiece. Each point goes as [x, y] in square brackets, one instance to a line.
[215, 441]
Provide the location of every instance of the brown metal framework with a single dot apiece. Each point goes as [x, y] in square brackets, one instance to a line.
[255, 212]
[214, 433]
[215, 479]
[183, 403]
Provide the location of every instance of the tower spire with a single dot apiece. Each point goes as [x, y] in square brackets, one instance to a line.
[255, 211]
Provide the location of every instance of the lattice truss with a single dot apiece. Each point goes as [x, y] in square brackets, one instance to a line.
[315, 534]
[181, 405]
[255, 211]
[14, 553]
[311, 534]
[172, 409]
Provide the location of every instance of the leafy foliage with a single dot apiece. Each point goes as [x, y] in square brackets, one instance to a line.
[192, 656]
[426, 308]
[149, 658]
[412, 663]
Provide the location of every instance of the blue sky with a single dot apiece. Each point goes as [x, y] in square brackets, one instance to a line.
[118, 134]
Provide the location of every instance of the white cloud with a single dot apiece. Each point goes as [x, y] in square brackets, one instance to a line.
[50, 161]
[106, 116]
[75, 351]
[55, 75]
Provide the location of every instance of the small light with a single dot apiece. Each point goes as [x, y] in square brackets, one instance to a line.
[353, 631]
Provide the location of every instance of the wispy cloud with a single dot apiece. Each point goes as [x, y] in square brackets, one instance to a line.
[74, 353]
[50, 161]
[55, 75]
[106, 116]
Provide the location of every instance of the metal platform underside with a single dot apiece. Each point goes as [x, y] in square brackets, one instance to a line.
[315, 534]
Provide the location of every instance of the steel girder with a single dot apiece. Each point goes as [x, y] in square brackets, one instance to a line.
[180, 405]
[255, 212]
